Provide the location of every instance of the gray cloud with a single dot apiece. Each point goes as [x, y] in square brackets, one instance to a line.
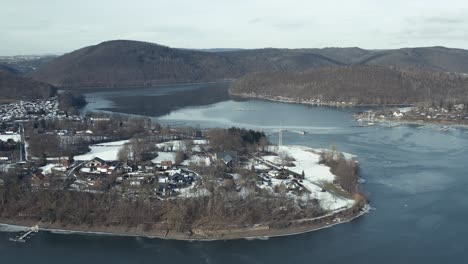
[441, 27]
[281, 23]
[52, 26]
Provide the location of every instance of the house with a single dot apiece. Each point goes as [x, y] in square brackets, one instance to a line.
[265, 178]
[177, 178]
[105, 169]
[94, 163]
[163, 179]
[229, 158]
[166, 164]
[125, 168]
[273, 173]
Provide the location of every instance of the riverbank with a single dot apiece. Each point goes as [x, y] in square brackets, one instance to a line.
[441, 123]
[403, 120]
[312, 102]
[296, 227]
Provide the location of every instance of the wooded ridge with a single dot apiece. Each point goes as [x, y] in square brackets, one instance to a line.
[123, 63]
[358, 85]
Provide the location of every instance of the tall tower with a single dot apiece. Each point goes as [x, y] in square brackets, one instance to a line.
[280, 137]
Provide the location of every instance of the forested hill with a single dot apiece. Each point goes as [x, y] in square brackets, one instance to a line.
[122, 63]
[14, 87]
[358, 84]
[131, 63]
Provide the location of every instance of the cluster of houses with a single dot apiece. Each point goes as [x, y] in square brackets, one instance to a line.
[164, 178]
[456, 114]
[28, 110]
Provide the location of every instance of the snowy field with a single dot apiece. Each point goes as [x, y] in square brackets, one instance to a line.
[307, 160]
[164, 156]
[106, 151]
[109, 151]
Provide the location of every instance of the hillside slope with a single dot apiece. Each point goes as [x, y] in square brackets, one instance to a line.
[14, 87]
[431, 58]
[358, 84]
[131, 63]
[123, 63]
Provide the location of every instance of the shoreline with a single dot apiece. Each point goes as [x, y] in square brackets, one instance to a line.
[423, 123]
[281, 99]
[210, 235]
[84, 89]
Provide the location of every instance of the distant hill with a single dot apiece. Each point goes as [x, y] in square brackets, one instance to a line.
[123, 63]
[130, 63]
[361, 84]
[431, 58]
[14, 87]
[24, 64]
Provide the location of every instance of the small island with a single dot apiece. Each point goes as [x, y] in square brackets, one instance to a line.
[114, 174]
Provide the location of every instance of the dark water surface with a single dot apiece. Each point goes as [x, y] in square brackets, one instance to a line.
[416, 177]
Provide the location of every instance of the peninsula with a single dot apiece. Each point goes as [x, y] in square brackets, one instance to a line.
[130, 176]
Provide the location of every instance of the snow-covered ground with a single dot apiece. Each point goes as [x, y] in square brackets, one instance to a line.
[109, 151]
[176, 145]
[106, 151]
[164, 156]
[192, 191]
[306, 159]
[197, 160]
[47, 169]
[15, 137]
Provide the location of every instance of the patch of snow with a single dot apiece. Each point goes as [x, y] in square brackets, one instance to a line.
[107, 151]
[272, 159]
[197, 160]
[192, 191]
[306, 160]
[164, 156]
[47, 169]
[14, 137]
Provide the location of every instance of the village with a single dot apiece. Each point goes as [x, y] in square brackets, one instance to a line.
[175, 164]
[453, 115]
[162, 178]
[36, 109]
[135, 163]
[293, 171]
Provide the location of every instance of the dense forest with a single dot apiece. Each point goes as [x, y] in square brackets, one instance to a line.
[123, 63]
[358, 84]
[14, 87]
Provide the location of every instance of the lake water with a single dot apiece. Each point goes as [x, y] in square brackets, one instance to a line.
[416, 178]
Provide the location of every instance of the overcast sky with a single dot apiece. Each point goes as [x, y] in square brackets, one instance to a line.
[59, 26]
